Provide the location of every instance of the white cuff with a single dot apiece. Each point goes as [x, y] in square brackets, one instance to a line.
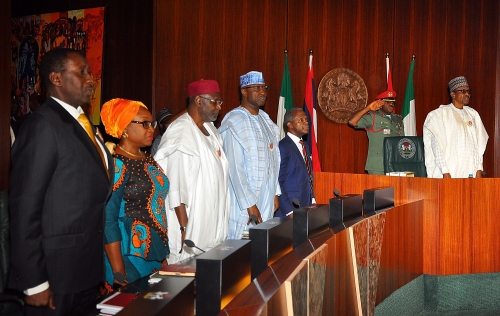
[37, 289]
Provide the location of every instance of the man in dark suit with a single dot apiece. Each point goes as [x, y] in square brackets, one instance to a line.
[59, 186]
[295, 177]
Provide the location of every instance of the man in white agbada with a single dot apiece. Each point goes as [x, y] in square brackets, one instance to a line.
[455, 137]
[191, 153]
[251, 141]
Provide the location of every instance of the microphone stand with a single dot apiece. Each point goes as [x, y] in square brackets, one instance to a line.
[191, 244]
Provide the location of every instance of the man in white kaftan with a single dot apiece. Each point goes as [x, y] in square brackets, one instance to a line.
[191, 153]
[251, 141]
[454, 137]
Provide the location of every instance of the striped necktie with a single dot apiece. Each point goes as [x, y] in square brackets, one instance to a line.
[308, 163]
[88, 128]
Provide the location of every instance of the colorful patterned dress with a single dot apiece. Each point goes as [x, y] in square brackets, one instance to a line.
[135, 216]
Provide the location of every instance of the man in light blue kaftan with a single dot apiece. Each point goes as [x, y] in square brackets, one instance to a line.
[251, 141]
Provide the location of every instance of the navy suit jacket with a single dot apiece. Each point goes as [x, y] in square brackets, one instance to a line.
[58, 193]
[293, 178]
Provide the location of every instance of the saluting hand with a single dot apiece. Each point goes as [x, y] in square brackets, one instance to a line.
[375, 105]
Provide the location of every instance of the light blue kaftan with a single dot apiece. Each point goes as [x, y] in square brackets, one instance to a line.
[251, 146]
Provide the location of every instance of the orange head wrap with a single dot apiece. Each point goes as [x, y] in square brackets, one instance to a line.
[116, 114]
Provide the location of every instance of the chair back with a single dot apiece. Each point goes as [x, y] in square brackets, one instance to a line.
[404, 153]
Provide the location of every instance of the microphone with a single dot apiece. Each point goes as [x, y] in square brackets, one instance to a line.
[253, 218]
[122, 278]
[336, 192]
[191, 244]
[296, 202]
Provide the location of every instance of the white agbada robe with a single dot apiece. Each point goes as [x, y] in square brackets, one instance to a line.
[454, 142]
[197, 169]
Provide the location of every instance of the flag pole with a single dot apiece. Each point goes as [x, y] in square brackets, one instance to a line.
[387, 67]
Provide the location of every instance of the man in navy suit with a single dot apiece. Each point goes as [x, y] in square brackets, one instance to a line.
[295, 177]
[59, 186]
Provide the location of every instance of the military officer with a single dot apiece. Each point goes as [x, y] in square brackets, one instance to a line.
[380, 122]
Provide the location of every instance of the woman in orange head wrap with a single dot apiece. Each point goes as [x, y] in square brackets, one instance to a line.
[136, 224]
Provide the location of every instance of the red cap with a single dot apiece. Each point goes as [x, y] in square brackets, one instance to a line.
[202, 87]
[387, 96]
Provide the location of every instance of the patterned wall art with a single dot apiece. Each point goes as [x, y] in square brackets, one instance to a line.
[33, 36]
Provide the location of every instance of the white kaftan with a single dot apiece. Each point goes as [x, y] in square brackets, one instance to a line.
[197, 169]
[454, 142]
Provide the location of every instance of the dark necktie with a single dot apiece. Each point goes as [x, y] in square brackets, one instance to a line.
[88, 128]
[308, 164]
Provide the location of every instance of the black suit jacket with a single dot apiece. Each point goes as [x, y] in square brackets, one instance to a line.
[58, 192]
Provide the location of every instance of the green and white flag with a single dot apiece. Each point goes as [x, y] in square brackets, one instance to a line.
[409, 105]
[286, 97]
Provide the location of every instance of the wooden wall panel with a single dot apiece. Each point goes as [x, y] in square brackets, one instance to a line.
[402, 248]
[448, 38]
[223, 39]
[428, 191]
[459, 219]
[218, 41]
[485, 223]
[346, 297]
[468, 226]
[454, 227]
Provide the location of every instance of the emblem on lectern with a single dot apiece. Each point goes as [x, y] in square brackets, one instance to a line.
[156, 295]
[407, 148]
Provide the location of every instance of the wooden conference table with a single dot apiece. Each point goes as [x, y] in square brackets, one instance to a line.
[437, 227]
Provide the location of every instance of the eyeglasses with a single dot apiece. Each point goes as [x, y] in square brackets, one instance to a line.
[258, 88]
[146, 124]
[218, 102]
[464, 91]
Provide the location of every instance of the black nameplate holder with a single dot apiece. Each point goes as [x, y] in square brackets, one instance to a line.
[308, 222]
[345, 211]
[221, 274]
[271, 240]
[172, 296]
[377, 200]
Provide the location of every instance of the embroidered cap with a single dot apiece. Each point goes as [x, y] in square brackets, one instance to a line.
[203, 87]
[253, 77]
[457, 82]
[163, 114]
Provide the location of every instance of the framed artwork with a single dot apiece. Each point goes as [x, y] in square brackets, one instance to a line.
[33, 36]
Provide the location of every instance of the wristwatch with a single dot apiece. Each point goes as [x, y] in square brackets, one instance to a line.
[183, 228]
